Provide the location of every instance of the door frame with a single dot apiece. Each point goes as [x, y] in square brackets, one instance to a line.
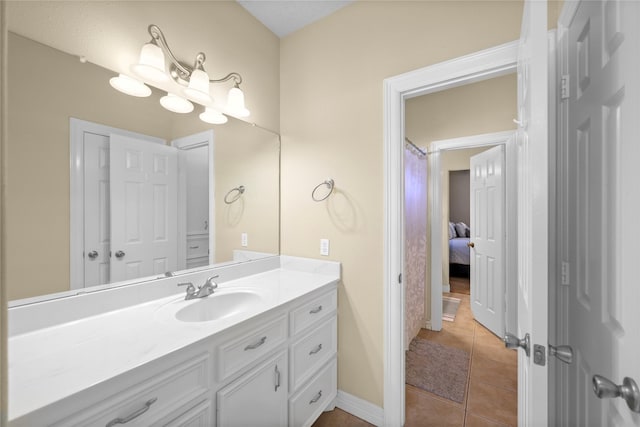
[77, 128]
[489, 63]
[508, 140]
[190, 142]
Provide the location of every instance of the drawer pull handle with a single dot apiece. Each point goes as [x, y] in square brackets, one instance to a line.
[316, 398]
[316, 310]
[315, 350]
[277, 378]
[134, 415]
[256, 344]
[194, 247]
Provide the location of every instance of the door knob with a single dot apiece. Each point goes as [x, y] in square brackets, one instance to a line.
[93, 254]
[564, 353]
[604, 388]
[471, 245]
[511, 341]
[119, 254]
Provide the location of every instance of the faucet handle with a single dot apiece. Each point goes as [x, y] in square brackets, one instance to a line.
[189, 285]
[211, 282]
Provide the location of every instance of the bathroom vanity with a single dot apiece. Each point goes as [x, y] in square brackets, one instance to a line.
[261, 350]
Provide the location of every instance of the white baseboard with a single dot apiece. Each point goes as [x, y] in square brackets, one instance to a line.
[446, 287]
[360, 408]
[427, 325]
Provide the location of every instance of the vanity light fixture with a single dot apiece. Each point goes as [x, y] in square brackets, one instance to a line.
[192, 81]
[175, 103]
[212, 116]
[130, 86]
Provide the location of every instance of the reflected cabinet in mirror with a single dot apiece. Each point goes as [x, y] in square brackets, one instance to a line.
[104, 188]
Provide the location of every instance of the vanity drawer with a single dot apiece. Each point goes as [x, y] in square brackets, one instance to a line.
[313, 311]
[165, 395]
[306, 405]
[197, 246]
[235, 354]
[312, 351]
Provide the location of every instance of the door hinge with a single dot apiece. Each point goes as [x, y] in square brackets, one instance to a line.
[564, 87]
[564, 279]
[400, 278]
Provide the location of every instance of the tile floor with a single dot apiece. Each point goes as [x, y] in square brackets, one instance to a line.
[491, 395]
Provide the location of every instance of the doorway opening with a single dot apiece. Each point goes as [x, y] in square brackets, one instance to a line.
[480, 66]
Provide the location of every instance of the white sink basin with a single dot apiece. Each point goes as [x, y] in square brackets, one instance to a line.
[221, 304]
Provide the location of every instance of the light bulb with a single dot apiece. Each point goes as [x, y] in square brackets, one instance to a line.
[213, 116]
[198, 87]
[176, 104]
[235, 103]
[150, 66]
[130, 86]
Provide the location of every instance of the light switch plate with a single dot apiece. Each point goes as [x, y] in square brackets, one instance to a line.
[244, 240]
[324, 247]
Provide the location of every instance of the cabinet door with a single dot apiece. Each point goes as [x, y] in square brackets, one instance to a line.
[258, 398]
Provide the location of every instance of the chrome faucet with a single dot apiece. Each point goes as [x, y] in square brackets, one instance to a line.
[202, 291]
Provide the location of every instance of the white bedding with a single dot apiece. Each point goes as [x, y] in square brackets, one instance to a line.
[459, 252]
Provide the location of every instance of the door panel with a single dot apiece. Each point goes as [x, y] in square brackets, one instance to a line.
[144, 198]
[601, 151]
[533, 211]
[97, 230]
[488, 238]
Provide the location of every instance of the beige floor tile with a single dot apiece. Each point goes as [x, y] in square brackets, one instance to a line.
[339, 418]
[494, 349]
[493, 403]
[422, 410]
[504, 375]
[455, 338]
[475, 421]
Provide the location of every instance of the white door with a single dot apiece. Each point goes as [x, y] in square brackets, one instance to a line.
[533, 212]
[144, 199]
[97, 230]
[602, 206]
[488, 238]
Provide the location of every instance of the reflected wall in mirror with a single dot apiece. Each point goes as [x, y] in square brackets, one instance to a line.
[42, 194]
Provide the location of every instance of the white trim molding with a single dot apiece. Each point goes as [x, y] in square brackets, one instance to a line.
[478, 66]
[360, 408]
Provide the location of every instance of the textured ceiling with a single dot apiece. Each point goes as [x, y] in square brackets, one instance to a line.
[285, 17]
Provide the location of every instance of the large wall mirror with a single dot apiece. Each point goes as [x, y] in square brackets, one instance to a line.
[106, 189]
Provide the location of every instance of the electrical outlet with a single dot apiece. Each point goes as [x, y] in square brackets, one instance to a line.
[244, 240]
[324, 247]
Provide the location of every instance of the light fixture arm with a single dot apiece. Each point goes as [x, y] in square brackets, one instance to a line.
[180, 72]
[237, 79]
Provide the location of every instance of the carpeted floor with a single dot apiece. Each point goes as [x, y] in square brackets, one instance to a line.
[437, 368]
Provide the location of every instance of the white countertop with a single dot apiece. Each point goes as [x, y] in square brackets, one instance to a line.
[47, 365]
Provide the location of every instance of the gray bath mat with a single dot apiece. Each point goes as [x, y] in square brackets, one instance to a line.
[437, 368]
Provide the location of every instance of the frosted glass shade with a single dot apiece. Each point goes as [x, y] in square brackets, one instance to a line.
[176, 103]
[198, 87]
[213, 116]
[130, 86]
[235, 103]
[151, 64]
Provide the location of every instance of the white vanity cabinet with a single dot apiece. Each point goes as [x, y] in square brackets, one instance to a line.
[174, 390]
[275, 368]
[258, 398]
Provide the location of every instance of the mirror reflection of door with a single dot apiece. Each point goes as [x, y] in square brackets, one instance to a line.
[142, 207]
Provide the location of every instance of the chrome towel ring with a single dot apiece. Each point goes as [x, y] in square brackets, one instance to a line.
[327, 183]
[238, 192]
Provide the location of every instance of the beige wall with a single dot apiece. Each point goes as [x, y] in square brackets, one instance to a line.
[331, 110]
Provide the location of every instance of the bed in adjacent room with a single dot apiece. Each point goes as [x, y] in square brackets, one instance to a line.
[459, 252]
